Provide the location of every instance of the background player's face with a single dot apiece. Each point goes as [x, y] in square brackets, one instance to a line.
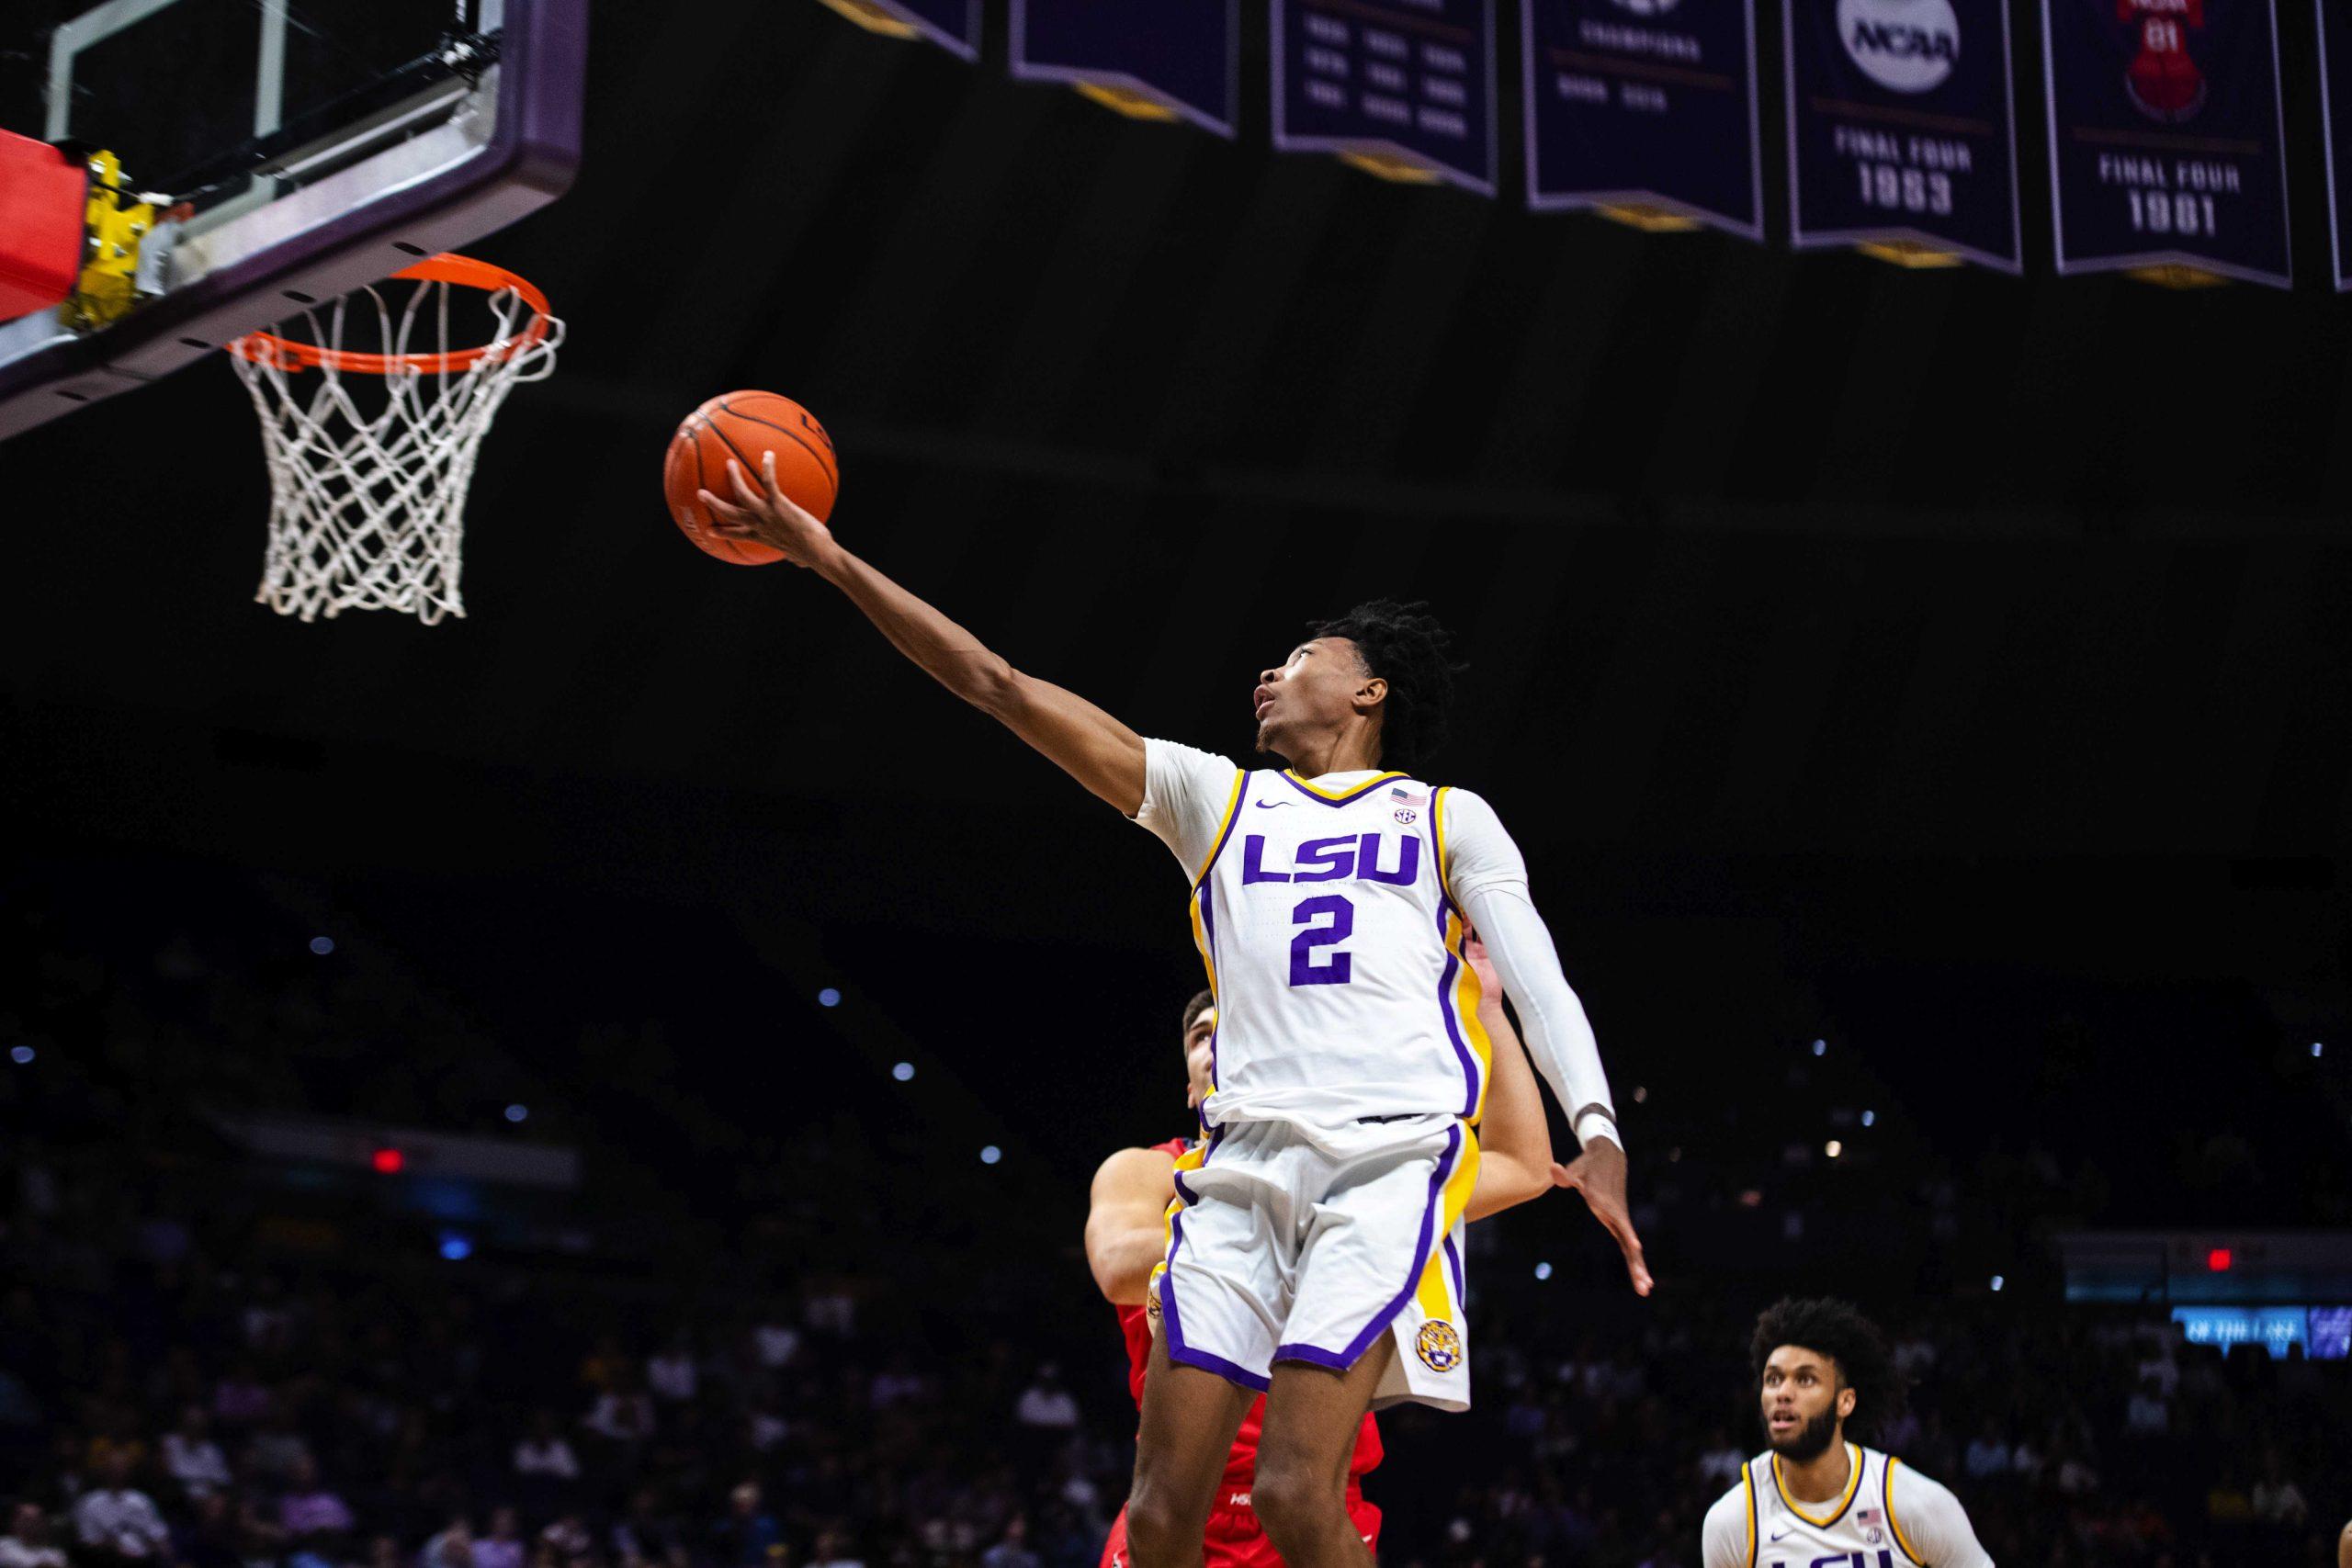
[1804, 1402]
[1197, 1058]
[1318, 689]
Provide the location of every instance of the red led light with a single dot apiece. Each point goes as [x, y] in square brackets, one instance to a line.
[2218, 1260]
[387, 1161]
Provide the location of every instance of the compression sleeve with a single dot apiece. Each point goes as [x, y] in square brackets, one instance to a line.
[1930, 1525]
[1487, 877]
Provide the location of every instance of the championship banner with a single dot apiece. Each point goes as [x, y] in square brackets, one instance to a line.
[1645, 105]
[1404, 88]
[954, 24]
[1902, 132]
[2335, 126]
[2167, 146]
[1153, 59]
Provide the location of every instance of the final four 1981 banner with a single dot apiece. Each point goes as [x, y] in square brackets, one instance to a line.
[2166, 140]
[1403, 86]
[1645, 102]
[1181, 55]
[1901, 126]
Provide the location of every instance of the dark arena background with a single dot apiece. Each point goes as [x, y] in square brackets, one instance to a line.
[612, 1081]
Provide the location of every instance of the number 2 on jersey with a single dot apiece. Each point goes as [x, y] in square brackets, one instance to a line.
[1303, 970]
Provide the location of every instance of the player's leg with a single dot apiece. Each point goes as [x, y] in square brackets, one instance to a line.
[1313, 1414]
[1190, 1419]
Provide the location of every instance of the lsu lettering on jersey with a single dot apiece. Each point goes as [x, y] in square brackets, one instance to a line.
[1888, 1517]
[1335, 953]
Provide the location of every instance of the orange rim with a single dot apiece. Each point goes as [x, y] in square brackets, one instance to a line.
[269, 348]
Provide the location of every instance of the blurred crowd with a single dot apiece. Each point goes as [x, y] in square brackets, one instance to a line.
[193, 1374]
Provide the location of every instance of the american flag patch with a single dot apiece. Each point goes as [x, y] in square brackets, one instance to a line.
[1398, 792]
[1867, 1517]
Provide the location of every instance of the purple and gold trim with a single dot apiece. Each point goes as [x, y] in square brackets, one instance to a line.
[1327, 798]
[1457, 1139]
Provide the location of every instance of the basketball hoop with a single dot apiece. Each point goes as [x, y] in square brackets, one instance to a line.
[368, 491]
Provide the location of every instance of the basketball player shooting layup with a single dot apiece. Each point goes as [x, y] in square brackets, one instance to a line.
[1813, 1497]
[1126, 1236]
[1315, 1230]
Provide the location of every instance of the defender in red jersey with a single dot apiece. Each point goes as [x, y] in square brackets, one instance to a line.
[1126, 1236]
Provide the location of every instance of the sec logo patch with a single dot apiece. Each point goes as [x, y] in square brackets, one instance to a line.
[1438, 1345]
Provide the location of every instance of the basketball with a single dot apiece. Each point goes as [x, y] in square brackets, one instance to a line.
[743, 425]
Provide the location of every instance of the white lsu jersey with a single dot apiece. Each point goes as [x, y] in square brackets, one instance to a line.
[1888, 1517]
[1334, 950]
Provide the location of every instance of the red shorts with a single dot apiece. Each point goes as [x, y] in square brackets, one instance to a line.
[1236, 1539]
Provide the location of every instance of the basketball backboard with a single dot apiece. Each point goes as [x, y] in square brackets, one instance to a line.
[295, 150]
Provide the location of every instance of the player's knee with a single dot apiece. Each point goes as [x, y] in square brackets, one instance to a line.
[1161, 1530]
[1296, 1503]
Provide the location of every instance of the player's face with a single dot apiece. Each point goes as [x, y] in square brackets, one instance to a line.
[1197, 1058]
[1318, 688]
[1804, 1403]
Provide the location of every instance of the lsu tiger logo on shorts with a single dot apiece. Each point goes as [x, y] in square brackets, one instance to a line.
[1438, 1345]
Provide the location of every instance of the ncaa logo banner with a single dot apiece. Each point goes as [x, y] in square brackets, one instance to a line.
[1901, 126]
[951, 24]
[2335, 104]
[1406, 87]
[2166, 145]
[1181, 57]
[1645, 102]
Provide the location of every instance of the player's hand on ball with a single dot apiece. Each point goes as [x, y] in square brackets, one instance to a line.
[764, 513]
[1598, 1175]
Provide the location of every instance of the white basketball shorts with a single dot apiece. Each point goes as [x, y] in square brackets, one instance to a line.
[1287, 1245]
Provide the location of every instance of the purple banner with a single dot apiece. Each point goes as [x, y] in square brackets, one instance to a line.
[2166, 145]
[954, 24]
[1901, 126]
[1645, 102]
[2335, 129]
[1389, 82]
[1181, 55]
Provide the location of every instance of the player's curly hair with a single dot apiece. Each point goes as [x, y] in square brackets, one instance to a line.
[1405, 646]
[1840, 1332]
[1201, 1002]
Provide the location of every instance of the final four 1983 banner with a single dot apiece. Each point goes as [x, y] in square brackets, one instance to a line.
[1900, 125]
[2166, 140]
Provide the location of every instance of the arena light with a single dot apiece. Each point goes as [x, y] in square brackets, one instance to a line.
[990, 1155]
[1833, 1148]
[1821, 1047]
[2318, 1048]
[828, 998]
[1998, 1281]
[20, 1055]
[455, 1247]
[518, 1113]
[387, 1161]
[323, 945]
[2218, 1261]
[1542, 1270]
[1869, 1118]
[904, 1072]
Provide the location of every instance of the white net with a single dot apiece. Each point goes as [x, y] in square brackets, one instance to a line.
[368, 471]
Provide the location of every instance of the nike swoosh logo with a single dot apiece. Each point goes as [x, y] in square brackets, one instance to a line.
[1779, 1533]
[1270, 804]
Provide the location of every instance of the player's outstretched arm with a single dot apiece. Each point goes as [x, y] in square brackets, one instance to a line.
[1514, 1140]
[1487, 878]
[1126, 1222]
[1076, 736]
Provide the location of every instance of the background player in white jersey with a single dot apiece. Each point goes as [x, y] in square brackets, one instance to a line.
[1317, 1227]
[1814, 1499]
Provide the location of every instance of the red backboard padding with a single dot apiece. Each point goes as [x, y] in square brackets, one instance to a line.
[40, 225]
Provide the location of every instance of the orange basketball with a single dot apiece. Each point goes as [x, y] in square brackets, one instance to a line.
[743, 425]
